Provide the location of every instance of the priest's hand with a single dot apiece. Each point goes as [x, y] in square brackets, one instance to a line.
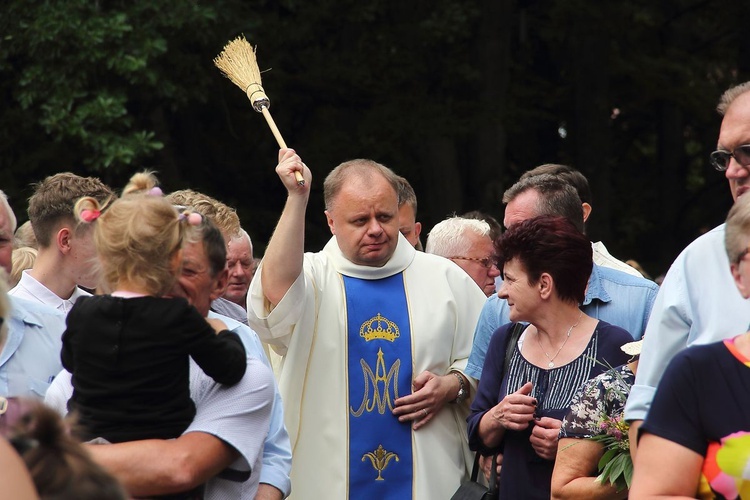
[289, 164]
[431, 392]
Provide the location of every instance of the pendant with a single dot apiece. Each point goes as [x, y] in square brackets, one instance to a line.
[551, 364]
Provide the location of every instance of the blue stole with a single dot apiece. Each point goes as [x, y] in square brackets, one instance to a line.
[379, 366]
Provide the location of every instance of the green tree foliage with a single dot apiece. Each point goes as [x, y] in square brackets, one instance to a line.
[460, 97]
[86, 84]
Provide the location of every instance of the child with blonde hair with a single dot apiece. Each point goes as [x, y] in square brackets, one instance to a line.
[128, 351]
[21, 259]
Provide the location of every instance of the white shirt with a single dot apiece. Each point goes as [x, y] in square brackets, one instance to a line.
[603, 258]
[698, 303]
[30, 289]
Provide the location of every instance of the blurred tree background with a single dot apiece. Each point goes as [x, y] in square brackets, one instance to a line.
[460, 97]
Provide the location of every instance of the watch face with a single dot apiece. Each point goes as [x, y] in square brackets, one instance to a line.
[461, 394]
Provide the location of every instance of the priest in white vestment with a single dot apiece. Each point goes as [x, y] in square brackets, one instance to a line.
[374, 337]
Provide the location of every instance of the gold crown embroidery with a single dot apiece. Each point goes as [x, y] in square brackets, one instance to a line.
[379, 327]
[379, 459]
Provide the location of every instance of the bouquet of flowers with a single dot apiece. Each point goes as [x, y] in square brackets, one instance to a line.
[616, 465]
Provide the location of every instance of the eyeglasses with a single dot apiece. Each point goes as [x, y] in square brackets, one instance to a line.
[487, 262]
[720, 159]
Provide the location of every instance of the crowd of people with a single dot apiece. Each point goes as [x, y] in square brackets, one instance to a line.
[145, 352]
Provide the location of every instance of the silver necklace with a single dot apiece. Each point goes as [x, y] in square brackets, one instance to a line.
[551, 363]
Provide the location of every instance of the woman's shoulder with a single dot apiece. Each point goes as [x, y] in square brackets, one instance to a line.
[499, 338]
[613, 334]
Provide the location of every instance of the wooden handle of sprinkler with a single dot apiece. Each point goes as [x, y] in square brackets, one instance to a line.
[280, 140]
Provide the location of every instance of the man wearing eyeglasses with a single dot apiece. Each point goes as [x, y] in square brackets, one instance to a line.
[467, 243]
[698, 302]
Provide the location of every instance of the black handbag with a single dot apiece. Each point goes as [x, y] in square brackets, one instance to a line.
[472, 490]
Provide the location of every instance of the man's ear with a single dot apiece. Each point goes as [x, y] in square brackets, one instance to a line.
[62, 239]
[331, 225]
[220, 284]
[586, 211]
[417, 229]
[739, 281]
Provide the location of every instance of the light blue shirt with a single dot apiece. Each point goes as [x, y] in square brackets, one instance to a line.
[277, 450]
[612, 296]
[30, 358]
[698, 303]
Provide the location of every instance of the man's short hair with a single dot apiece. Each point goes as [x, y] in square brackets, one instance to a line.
[224, 216]
[11, 216]
[567, 174]
[364, 169]
[448, 237]
[737, 233]
[243, 234]
[213, 243]
[54, 198]
[406, 194]
[728, 97]
[556, 197]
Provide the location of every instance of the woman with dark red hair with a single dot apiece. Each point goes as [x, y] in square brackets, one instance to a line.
[521, 400]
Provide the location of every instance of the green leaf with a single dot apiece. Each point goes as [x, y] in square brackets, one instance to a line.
[606, 458]
[618, 464]
[628, 472]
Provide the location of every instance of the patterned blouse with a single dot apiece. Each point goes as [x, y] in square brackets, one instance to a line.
[604, 394]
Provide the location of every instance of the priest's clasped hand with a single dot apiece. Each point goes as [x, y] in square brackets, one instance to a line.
[431, 393]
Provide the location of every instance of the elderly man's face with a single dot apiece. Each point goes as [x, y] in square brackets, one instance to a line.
[364, 218]
[481, 252]
[195, 282]
[735, 131]
[240, 266]
[6, 240]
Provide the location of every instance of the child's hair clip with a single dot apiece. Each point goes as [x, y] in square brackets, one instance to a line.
[88, 215]
[155, 191]
[192, 218]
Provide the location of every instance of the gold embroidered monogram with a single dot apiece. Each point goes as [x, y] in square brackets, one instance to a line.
[391, 379]
[380, 459]
[379, 327]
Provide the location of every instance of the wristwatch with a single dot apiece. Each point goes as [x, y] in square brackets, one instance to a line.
[462, 392]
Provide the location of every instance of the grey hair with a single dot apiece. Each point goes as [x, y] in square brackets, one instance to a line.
[728, 97]
[556, 197]
[12, 216]
[448, 239]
